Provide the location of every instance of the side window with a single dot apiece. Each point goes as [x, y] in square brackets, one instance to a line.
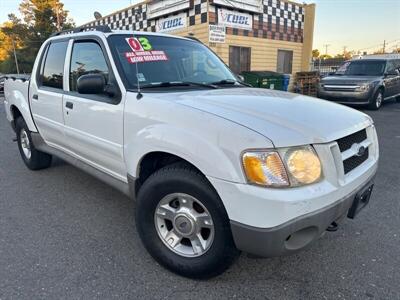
[87, 58]
[393, 65]
[53, 69]
[390, 66]
[398, 64]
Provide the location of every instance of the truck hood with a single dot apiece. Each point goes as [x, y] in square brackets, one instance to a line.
[286, 119]
[343, 80]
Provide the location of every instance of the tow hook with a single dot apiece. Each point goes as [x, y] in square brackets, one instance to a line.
[333, 227]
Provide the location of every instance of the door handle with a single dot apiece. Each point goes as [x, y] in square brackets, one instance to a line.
[69, 105]
[35, 97]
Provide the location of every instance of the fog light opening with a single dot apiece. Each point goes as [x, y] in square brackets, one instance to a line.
[301, 238]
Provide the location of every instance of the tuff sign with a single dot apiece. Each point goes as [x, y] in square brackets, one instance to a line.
[172, 23]
[235, 19]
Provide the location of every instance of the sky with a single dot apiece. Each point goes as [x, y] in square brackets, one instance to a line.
[355, 24]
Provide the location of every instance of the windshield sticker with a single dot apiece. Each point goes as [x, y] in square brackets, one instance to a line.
[146, 56]
[140, 77]
[142, 51]
[139, 44]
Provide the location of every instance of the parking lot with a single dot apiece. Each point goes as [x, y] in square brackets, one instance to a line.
[63, 234]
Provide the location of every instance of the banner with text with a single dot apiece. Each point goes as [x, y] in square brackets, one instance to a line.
[235, 19]
[172, 23]
[217, 34]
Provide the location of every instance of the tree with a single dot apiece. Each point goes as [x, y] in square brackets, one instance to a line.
[325, 56]
[5, 42]
[315, 53]
[346, 55]
[40, 18]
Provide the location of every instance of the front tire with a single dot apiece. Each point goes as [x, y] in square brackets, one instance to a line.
[33, 158]
[376, 101]
[183, 223]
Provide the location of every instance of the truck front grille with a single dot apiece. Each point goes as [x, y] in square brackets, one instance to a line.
[354, 161]
[348, 141]
[345, 144]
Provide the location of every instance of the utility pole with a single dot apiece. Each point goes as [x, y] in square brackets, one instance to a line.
[344, 50]
[326, 48]
[384, 46]
[15, 56]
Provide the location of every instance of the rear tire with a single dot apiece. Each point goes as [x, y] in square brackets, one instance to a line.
[376, 101]
[33, 158]
[183, 184]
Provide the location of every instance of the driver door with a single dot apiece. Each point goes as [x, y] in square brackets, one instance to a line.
[392, 82]
[94, 122]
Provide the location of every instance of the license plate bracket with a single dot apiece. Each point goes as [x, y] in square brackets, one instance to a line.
[360, 201]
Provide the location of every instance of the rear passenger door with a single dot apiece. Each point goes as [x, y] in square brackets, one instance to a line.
[94, 122]
[46, 93]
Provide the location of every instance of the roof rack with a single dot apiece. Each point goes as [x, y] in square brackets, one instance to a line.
[101, 28]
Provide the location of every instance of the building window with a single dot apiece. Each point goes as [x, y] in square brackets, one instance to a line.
[285, 62]
[239, 59]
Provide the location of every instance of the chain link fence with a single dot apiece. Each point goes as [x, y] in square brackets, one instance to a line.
[326, 66]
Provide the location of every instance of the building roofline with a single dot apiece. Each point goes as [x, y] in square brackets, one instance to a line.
[117, 12]
[148, 1]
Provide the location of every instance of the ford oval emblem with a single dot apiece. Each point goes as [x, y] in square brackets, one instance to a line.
[361, 151]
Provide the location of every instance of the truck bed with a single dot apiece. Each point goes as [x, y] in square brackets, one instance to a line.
[16, 95]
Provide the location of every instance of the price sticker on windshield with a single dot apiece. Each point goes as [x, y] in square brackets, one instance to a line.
[142, 51]
[139, 44]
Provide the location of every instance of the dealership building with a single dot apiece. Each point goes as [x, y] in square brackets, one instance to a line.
[272, 35]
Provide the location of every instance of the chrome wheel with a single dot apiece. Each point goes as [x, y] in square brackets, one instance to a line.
[25, 144]
[184, 225]
[378, 100]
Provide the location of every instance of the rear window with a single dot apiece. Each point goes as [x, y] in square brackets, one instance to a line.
[52, 74]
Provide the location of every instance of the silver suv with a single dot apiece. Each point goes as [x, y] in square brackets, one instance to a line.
[367, 81]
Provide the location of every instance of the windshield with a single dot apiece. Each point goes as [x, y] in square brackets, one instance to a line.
[362, 68]
[163, 60]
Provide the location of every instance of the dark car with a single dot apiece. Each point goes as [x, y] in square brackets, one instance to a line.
[366, 81]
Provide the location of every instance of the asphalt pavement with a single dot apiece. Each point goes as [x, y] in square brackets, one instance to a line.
[65, 235]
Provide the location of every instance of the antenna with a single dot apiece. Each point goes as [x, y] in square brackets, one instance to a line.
[139, 93]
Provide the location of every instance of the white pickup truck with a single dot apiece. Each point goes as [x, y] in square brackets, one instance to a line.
[215, 167]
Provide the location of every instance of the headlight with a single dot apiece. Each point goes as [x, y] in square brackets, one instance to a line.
[363, 87]
[303, 165]
[300, 166]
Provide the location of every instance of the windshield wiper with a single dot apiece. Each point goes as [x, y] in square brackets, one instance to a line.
[177, 83]
[230, 82]
[225, 82]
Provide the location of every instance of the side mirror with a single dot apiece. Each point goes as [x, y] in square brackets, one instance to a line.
[91, 84]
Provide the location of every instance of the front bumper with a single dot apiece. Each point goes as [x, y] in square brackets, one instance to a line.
[292, 236]
[346, 97]
[262, 218]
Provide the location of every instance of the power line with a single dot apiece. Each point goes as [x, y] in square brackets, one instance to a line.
[377, 45]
